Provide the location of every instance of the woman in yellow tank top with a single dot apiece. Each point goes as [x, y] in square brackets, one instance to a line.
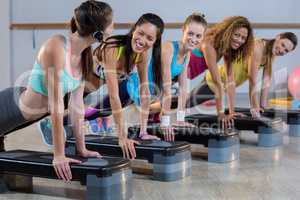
[262, 57]
[230, 40]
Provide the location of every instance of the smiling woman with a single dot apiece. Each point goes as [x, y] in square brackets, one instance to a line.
[232, 40]
[126, 55]
[175, 58]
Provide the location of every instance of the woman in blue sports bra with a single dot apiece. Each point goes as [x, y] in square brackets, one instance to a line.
[175, 57]
[61, 67]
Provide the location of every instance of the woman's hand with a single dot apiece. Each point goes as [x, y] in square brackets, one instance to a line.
[62, 168]
[226, 121]
[146, 136]
[255, 112]
[88, 154]
[237, 114]
[127, 146]
[168, 133]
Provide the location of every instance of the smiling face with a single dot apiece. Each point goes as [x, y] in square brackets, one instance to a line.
[143, 37]
[238, 38]
[192, 35]
[282, 46]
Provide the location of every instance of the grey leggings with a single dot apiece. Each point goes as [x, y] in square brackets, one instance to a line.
[11, 116]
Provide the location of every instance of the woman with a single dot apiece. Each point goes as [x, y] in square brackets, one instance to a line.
[120, 58]
[127, 55]
[230, 40]
[264, 53]
[61, 66]
[175, 58]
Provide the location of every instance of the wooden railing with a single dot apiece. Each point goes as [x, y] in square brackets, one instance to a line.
[48, 26]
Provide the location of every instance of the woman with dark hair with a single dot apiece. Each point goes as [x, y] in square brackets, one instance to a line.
[232, 40]
[124, 56]
[262, 57]
[175, 57]
[121, 60]
[62, 65]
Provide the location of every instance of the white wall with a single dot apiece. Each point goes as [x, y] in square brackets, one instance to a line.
[5, 44]
[129, 10]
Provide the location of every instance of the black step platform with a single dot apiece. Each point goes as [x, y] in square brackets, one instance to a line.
[269, 130]
[291, 117]
[106, 178]
[221, 147]
[171, 160]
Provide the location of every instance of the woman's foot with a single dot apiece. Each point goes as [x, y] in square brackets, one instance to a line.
[45, 129]
[100, 126]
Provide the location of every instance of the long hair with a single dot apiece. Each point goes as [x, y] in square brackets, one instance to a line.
[125, 40]
[89, 18]
[268, 50]
[220, 34]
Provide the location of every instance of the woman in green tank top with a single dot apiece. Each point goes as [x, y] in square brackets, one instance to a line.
[20, 107]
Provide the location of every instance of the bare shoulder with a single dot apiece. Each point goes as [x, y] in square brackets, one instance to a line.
[259, 47]
[207, 46]
[167, 46]
[167, 49]
[52, 53]
[54, 45]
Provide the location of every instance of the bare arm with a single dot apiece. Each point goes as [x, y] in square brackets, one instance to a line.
[265, 87]
[210, 56]
[167, 52]
[52, 60]
[76, 113]
[253, 63]
[182, 93]
[230, 84]
[110, 70]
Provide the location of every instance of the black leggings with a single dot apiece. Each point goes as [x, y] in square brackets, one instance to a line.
[103, 103]
[199, 95]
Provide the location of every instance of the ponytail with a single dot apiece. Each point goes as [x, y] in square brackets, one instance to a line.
[86, 55]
